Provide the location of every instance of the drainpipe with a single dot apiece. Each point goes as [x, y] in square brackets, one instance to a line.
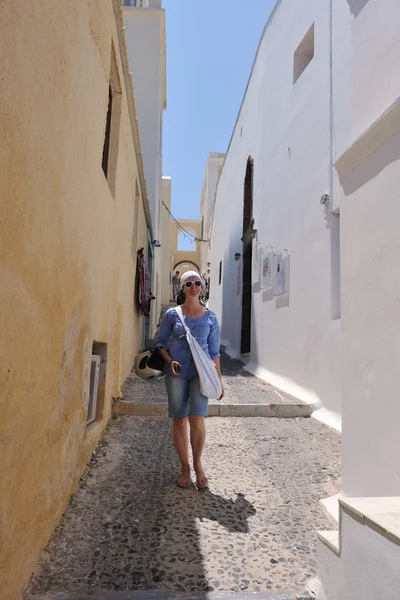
[331, 125]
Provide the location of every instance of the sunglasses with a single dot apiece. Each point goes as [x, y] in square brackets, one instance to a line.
[190, 283]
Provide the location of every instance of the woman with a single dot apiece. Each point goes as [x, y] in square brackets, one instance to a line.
[185, 400]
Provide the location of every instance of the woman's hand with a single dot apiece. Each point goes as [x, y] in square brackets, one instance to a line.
[174, 367]
[223, 392]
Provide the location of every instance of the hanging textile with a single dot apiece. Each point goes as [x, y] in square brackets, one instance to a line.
[144, 295]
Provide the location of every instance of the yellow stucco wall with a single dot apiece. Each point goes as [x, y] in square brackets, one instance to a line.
[194, 227]
[67, 261]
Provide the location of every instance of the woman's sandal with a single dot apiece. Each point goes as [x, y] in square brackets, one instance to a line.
[202, 482]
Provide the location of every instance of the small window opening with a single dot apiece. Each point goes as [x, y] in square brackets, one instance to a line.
[304, 54]
[220, 273]
[97, 382]
[106, 147]
[113, 118]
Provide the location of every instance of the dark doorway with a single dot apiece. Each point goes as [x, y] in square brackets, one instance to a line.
[247, 239]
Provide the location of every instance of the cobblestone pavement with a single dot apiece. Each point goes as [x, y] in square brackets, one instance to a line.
[240, 386]
[130, 527]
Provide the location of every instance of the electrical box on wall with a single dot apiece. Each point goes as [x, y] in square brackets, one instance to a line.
[256, 260]
[281, 283]
[267, 260]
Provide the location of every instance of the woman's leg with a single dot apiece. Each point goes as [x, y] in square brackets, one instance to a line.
[178, 404]
[198, 409]
[197, 441]
[182, 448]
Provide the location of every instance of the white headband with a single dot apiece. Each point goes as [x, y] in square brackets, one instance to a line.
[188, 274]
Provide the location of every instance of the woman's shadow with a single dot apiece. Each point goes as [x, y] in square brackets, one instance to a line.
[231, 514]
[186, 534]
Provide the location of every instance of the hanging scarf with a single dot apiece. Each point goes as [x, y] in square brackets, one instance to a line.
[144, 286]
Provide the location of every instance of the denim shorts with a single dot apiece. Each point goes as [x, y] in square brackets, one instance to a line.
[184, 396]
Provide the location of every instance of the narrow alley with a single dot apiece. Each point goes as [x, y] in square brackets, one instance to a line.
[204, 197]
[129, 527]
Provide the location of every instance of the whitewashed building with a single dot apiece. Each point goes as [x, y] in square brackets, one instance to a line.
[207, 203]
[277, 168]
[144, 22]
[310, 192]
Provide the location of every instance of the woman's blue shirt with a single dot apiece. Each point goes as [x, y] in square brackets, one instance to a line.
[205, 329]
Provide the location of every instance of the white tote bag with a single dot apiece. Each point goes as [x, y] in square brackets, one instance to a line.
[210, 383]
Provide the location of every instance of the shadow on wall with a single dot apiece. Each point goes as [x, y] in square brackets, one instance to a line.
[129, 527]
[356, 6]
[230, 313]
[373, 165]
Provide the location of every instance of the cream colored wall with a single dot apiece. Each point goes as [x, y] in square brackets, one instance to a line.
[192, 226]
[145, 28]
[68, 260]
[166, 289]
[207, 201]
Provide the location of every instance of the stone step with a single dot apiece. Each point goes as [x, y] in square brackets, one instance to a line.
[331, 540]
[160, 409]
[165, 595]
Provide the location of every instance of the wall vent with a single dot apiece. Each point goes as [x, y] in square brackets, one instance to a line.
[94, 388]
[86, 373]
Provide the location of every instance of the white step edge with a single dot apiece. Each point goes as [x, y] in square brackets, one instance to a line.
[331, 506]
[330, 539]
[380, 513]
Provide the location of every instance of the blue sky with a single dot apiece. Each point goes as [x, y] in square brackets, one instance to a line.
[210, 50]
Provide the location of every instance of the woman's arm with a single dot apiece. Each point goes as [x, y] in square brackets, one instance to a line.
[165, 354]
[162, 342]
[173, 364]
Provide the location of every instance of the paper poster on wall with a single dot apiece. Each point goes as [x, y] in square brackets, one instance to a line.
[255, 277]
[280, 272]
[267, 256]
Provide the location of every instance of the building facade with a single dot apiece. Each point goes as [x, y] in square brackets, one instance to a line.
[306, 226]
[185, 245]
[268, 203]
[74, 213]
[144, 22]
[362, 556]
[207, 203]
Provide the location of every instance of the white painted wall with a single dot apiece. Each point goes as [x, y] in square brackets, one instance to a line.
[375, 46]
[371, 324]
[367, 82]
[286, 129]
[367, 568]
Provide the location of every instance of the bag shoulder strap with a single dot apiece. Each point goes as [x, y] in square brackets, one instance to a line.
[182, 317]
